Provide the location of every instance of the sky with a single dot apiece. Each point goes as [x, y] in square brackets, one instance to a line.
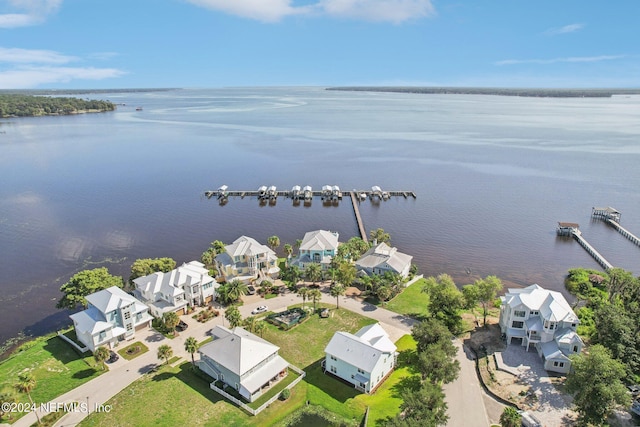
[104, 44]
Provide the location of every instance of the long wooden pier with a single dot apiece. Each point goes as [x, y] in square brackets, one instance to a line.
[612, 217]
[356, 211]
[626, 233]
[571, 229]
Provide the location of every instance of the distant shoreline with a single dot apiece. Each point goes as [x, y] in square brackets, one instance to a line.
[537, 93]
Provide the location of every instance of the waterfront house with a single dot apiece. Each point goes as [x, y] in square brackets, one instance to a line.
[363, 359]
[246, 259]
[542, 318]
[317, 247]
[189, 284]
[243, 361]
[382, 258]
[112, 316]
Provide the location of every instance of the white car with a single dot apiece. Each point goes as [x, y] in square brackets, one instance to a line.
[260, 309]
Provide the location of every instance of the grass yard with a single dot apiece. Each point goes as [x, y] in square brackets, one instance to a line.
[56, 366]
[411, 301]
[129, 352]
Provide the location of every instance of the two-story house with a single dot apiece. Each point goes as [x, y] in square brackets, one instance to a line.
[189, 284]
[246, 259]
[243, 361]
[317, 247]
[382, 258]
[112, 316]
[542, 318]
[364, 359]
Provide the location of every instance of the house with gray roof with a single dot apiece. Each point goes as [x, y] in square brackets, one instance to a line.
[382, 258]
[364, 359]
[542, 318]
[317, 247]
[189, 284]
[112, 316]
[242, 361]
[246, 259]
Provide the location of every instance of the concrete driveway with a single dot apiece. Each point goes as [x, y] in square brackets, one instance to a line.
[554, 407]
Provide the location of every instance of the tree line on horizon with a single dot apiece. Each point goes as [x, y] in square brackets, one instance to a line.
[21, 105]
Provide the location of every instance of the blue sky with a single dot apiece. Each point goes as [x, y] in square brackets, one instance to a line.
[221, 43]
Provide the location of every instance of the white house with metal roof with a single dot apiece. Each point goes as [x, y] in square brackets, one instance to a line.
[246, 259]
[112, 316]
[363, 359]
[189, 284]
[542, 318]
[243, 361]
[317, 247]
[382, 258]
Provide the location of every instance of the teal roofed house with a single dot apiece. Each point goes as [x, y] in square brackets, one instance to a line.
[317, 247]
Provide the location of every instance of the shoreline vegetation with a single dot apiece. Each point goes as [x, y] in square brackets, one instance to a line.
[524, 92]
[22, 105]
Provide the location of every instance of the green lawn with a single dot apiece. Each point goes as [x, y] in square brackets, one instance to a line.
[125, 351]
[177, 396]
[56, 366]
[411, 301]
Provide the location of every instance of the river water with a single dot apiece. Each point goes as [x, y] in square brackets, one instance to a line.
[493, 175]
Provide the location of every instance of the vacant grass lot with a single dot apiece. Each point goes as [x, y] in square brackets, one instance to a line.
[177, 396]
[55, 365]
[411, 301]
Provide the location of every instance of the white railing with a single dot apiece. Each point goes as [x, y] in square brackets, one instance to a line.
[268, 402]
[73, 343]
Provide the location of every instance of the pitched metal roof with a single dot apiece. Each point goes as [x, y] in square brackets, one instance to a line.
[382, 254]
[237, 350]
[319, 240]
[110, 299]
[247, 246]
[362, 351]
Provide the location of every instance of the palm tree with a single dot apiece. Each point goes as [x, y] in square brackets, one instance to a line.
[191, 346]
[313, 272]
[297, 244]
[303, 292]
[260, 327]
[384, 292]
[236, 289]
[314, 295]
[288, 249]
[379, 236]
[233, 316]
[171, 320]
[165, 352]
[250, 323]
[100, 355]
[337, 291]
[346, 274]
[273, 242]
[26, 383]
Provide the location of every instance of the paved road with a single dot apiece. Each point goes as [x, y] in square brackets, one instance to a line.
[464, 396]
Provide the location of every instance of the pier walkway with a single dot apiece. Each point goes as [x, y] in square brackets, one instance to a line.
[571, 229]
[626, 233]
[356, 211]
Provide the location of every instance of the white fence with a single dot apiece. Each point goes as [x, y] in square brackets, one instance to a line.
[73, 343]
[267, 403]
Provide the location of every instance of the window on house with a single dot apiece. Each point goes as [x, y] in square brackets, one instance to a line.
[334, 369]
[353, 376]
[517, 324]
[562, 364]
[333, 357]
[102, 336]
[575, 348]
[519, 313]
[573, 325]
[360, 371]
[237, 386]
[127, 315]
[555, 364]
[129, 327]
[533, 312]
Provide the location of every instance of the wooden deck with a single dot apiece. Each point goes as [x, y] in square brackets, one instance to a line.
[356, 211]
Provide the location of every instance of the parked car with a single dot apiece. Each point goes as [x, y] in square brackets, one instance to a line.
[251, 290]
[113, 357]
[260, 309]
[181, 326]
[634, 389]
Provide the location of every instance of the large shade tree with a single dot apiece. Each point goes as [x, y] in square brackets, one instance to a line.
[146, 266]
[483, 292]
[596, 384]
[85, 283]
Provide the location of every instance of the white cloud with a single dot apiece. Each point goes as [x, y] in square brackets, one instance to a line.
[26, 56]
[260, 10]
[33, 12]
[395, 11]
[25, 78]
[571, 28]
[557, 60]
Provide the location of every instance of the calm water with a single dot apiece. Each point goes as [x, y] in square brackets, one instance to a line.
[493, 175]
